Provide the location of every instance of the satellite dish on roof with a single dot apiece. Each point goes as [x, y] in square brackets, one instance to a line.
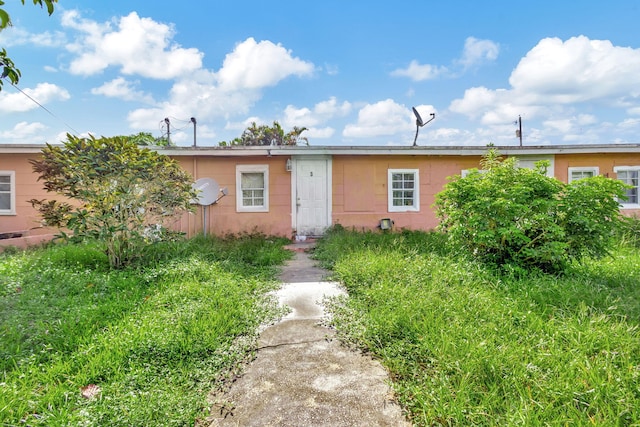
[420, 123]
[419, 120]
[208, 190]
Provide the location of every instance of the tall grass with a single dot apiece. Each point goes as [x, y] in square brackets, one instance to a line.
[155, 338]
[467, 346]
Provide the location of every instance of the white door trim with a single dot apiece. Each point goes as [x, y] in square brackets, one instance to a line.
[294, 188]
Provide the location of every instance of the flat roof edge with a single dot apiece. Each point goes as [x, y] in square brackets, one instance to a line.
[241, 151]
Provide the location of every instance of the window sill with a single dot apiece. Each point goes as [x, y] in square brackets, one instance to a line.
[389, 210]
[259, 210]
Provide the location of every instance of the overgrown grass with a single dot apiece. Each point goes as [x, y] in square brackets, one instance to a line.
[467, 346]
[156, 338]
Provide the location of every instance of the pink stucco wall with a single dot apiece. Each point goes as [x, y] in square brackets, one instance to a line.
[26, 219]
[606, 162]
[222, 217]
[360, 193]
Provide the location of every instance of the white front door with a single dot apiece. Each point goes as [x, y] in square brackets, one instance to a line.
[312, 196]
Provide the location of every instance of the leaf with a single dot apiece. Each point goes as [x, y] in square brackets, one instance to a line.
[4, 19]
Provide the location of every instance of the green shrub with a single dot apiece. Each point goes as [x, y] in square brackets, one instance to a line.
[629, 232]
[521, 219]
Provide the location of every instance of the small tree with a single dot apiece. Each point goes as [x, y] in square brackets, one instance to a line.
[269, 135]
[116, 192]
[517, 216]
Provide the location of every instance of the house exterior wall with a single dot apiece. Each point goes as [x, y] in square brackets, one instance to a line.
[26, 220]
[27, 187]
[360, 188]
[222, 217]
[606, 162]
[358, 193]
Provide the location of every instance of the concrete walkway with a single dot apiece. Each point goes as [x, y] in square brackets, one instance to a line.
[302, 375]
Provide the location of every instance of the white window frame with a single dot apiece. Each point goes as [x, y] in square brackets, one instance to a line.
[465, 172]
[12, 193]
[416, 191]
[623, 203]
[529, 162]
[240, 169]
[595, 170]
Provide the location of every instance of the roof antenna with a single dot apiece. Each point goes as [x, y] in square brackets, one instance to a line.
[166, 120]
[193, 120]
[420, 123]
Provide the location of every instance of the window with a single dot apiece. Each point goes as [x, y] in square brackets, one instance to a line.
[252, 188]
[404, 190]
[7, 193]
[529, 162]
[629, 175]
[465, 172]
[576, 173]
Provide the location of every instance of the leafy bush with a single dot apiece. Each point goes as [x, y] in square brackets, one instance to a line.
[518, 217]
[630, 231]
[115, 192]
[465, 346]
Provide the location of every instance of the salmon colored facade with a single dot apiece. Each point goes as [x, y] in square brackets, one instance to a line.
[300, 191]
[21, 220]
[222, 217]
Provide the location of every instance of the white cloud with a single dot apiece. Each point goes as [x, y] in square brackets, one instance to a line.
[16, 36]
[321, 113]
[256, 65]
[630, 124]
[319, 133]
[553, 79]
[22, 131]
[122, 89]
[379, 119]
[475, 52]
[478, 51]
[419, 72]
[139, 46]
[229, 92]
[577, 70]
[43, 93]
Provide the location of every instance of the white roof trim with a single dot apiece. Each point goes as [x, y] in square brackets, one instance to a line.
[242, 151]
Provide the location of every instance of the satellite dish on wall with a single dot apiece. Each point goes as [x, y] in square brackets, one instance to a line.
[207, 189]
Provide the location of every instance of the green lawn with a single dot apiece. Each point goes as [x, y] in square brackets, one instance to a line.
[155, 338]
[467, 346]
[464, 345]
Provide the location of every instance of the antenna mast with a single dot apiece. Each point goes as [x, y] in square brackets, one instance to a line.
[193, 120]
[519, 131]
[166, 120]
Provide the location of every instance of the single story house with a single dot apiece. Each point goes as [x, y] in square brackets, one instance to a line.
[299, 191]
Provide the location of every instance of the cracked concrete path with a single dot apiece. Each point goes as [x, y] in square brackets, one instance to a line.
[303, 375]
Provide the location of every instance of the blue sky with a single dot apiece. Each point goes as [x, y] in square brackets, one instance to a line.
[350, 71]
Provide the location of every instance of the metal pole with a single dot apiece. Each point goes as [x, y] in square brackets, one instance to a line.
[166, 120]
[193, 120]
[204, 220]
[520, 129]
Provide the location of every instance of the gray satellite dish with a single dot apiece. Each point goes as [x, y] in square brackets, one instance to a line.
[207, 189]
[419, 121]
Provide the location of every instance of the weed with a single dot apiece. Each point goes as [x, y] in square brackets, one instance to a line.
[152, 340]
[466, 345]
